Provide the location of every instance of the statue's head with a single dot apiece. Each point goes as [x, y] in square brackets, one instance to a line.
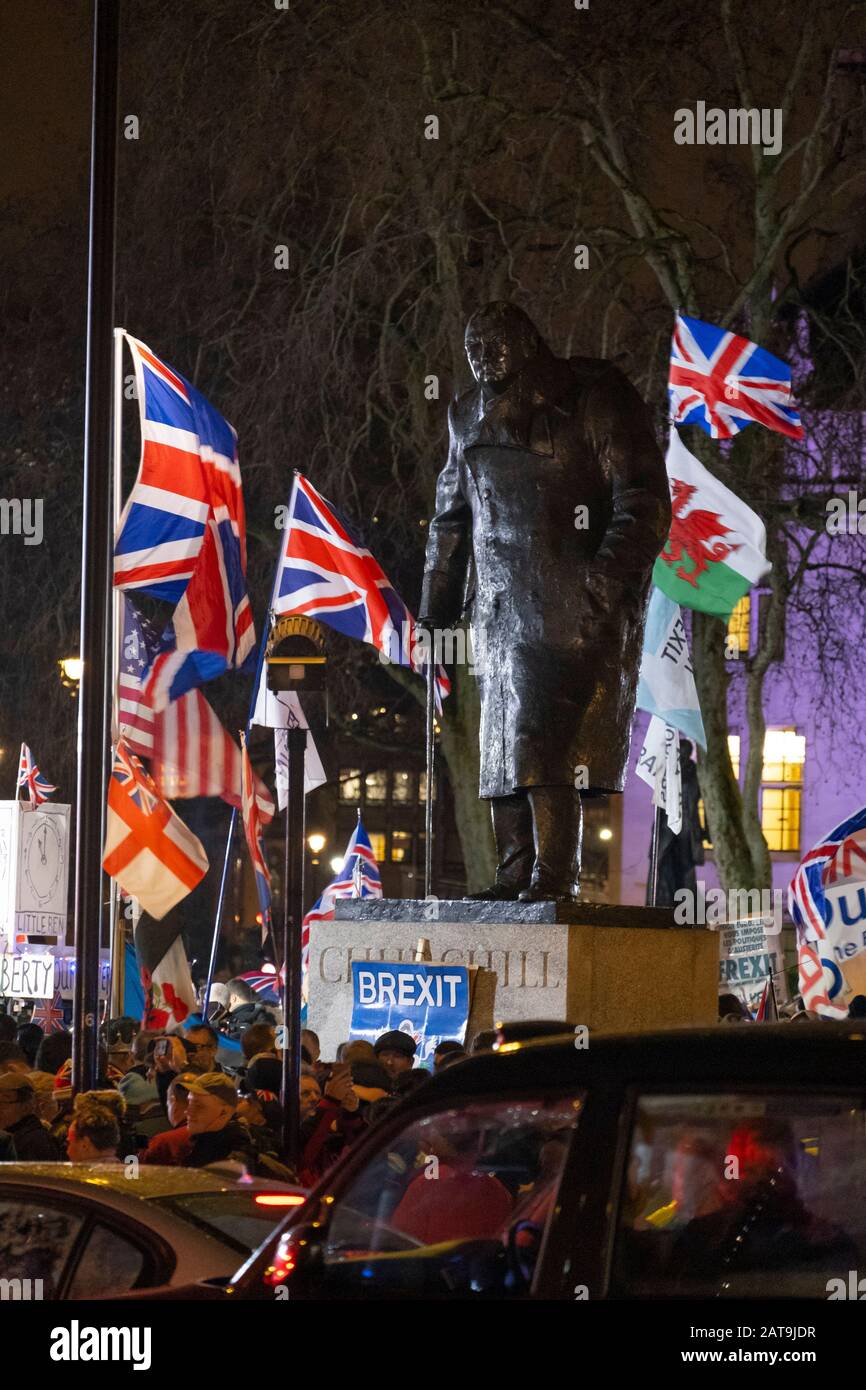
[500, 340]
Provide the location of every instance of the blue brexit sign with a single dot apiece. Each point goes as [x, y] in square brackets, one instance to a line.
[429, 1002]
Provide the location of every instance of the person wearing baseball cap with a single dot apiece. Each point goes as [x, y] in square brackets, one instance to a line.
[214, 1130]
[395, 1053]
[19, 1118]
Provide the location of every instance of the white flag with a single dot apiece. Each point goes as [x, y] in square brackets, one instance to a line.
[667, 684]
[658, 765]
[280, 710]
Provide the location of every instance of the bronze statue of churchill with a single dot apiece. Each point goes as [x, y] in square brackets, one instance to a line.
[550, 511]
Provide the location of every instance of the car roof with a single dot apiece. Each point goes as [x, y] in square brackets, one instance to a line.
[152, 1180]
[821, 1053]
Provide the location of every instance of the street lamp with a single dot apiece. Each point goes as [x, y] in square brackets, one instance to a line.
[316, 842]
[71, 668]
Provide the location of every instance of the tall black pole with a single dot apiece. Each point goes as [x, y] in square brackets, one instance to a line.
[430, 752]
[653, 884]
[95, 543]
[293, 916]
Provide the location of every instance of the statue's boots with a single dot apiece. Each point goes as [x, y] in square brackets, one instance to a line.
[557, 820]
[515, 848]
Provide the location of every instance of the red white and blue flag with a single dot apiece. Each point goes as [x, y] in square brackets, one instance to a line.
[189, 751]
[254, 831]
[358, 877]
[836, 857]
[48, 1013]
[38, 787]
[182, 535]
[723, 382]
[325, 572]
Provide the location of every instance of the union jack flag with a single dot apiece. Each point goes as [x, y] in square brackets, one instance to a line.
[833, 858]
[49, 1014]
[38, 787]
[253, 829]
[325, 572]
[358, 877]
[182, 535]
[723, 382]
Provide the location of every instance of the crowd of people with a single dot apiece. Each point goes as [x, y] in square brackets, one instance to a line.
[199, 1096]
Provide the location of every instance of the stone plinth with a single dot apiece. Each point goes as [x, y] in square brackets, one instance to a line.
[614, 969]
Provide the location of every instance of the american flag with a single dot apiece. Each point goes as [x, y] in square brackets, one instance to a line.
[325, 572]
[253, 828]
[38, 787]
[834, 857]
[189, 751]
[358, 877]
[182, 535]
[723, 382]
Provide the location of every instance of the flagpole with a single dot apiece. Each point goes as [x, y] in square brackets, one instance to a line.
[117, 937]
[430, 750]
[95, 543]
[214, 947]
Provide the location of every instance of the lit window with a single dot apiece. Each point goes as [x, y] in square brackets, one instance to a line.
[376, 786]
[401, 846]
[780, 817]
[350, 784]
[739, 625]
[377, 842]
[402, 786]
[422, 787]
[784, 755]
[784, 760]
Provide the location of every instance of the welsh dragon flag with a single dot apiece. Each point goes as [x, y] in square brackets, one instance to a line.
[716, 548]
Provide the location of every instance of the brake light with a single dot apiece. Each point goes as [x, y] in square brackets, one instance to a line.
[280, 1199]
[285, 1259]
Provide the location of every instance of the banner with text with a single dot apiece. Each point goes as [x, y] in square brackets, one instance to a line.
[429, 1002]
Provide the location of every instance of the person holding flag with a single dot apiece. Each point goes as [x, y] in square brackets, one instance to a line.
[357, 877]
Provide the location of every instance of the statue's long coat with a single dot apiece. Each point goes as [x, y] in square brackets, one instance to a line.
[557, 595]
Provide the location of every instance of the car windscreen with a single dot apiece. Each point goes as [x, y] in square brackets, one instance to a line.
[235, 1218]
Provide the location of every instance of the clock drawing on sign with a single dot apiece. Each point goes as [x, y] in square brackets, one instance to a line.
[42, 857]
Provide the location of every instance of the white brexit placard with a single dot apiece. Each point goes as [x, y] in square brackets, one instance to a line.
[34, 870]
[26, 976]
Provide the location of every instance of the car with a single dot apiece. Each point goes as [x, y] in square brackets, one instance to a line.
[723, 1163]
[83, 1230]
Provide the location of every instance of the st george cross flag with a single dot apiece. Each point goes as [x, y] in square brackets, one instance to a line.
[253, 828]
[716, 548]
[38, 788]
[667, 684]
[325, 572]
[358, 877]
[723, 382]
[148, 849]
[658, 765]
[182, 535]
[189, 751]
[824, 945]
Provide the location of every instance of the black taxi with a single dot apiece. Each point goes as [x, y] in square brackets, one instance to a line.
[719, 1163]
